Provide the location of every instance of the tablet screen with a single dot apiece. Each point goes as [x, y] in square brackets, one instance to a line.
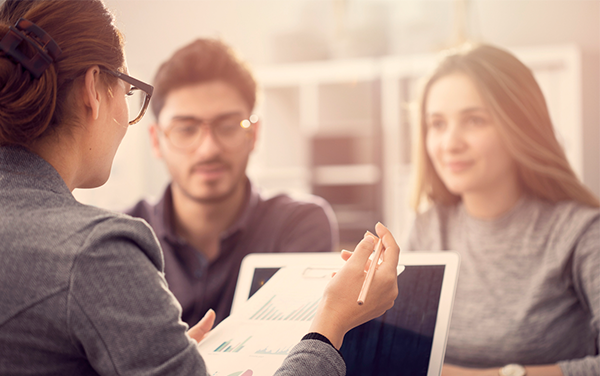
[260, 277]
[400, 341]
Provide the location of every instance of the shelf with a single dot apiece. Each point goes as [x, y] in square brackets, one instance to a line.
[359, 174]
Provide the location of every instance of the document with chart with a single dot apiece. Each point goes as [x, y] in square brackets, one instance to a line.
[255, 340]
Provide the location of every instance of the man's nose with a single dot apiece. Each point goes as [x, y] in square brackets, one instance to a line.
[208, 145]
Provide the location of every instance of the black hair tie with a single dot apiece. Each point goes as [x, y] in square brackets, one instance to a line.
[46, 49]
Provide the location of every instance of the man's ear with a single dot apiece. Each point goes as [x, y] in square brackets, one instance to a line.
[91, 92]
[154, 140]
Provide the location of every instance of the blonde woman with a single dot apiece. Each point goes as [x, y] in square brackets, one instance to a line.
[500, 191]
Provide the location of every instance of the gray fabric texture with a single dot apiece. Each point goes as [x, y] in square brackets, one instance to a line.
[313, 357]
[83, 290]
[529, 284]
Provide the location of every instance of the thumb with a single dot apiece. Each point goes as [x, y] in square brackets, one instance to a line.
[201, 329]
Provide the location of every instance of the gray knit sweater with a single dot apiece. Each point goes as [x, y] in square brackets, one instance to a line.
[529, 284]
[83, 292]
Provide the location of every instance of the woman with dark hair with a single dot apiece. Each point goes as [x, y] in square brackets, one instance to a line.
[500, 191]
[83, 290]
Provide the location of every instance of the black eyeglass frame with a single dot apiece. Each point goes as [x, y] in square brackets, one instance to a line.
[136, 84]
[245, 124]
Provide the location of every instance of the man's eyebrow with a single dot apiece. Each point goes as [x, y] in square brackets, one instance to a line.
[184, 117]
[218, 117]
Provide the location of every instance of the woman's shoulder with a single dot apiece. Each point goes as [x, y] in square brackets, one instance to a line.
[110, 226]
[429, 226]
[563, 214]
[437, 213]
[565, 226]
[93, 229]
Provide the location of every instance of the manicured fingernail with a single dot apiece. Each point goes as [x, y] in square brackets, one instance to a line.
[370, 239]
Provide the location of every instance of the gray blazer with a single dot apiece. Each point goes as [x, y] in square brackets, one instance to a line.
[83, 290]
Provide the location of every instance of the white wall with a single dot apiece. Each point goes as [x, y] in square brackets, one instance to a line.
[265, 32]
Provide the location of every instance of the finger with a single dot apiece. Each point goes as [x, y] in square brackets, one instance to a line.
[376, 239]
[345, 254]
[374, 236]
[361, 254]
[392, 251]
[370, 233]
[199, 331]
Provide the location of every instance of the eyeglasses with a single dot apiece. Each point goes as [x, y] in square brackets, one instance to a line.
[229, 130]
[138, 96]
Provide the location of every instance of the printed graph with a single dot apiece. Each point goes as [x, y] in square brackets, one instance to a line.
[278, 351]
[270, 311]
[228, 347]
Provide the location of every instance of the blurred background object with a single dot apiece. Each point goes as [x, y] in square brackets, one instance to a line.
[337, 78]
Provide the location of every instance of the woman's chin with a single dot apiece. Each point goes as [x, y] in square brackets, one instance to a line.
[455, 188]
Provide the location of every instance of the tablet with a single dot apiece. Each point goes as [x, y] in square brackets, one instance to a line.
[409, 339]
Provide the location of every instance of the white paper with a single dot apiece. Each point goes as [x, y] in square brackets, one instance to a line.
[259, 336]
[256, 339]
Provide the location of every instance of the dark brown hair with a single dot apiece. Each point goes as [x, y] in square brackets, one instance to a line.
[203, 60]
[517, 103]
[85, 31]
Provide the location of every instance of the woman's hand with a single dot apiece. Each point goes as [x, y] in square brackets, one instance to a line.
[201, 329]
[339, 311]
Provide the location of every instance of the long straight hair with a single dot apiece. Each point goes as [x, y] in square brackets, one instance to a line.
[516, 101]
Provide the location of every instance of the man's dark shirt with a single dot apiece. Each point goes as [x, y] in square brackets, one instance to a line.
[277, 224]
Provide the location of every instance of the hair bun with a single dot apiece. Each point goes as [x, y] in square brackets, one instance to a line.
[46, 50]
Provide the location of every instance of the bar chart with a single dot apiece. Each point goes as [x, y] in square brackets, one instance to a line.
[267, 326]
[272, 312]
[278, 351]
[228, 347]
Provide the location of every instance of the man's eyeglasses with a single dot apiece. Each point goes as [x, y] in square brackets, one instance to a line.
[138, 96]
[229, 131]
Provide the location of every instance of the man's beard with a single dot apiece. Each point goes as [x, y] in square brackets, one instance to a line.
[213, 199]
[216, 198]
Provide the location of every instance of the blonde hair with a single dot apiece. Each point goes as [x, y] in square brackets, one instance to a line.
[518, 105]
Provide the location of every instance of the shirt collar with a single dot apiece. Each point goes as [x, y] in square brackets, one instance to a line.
[251, 199]
[165, 211]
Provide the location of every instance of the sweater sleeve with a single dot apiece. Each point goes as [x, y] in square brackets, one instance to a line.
[586, 281]
[312, 357]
